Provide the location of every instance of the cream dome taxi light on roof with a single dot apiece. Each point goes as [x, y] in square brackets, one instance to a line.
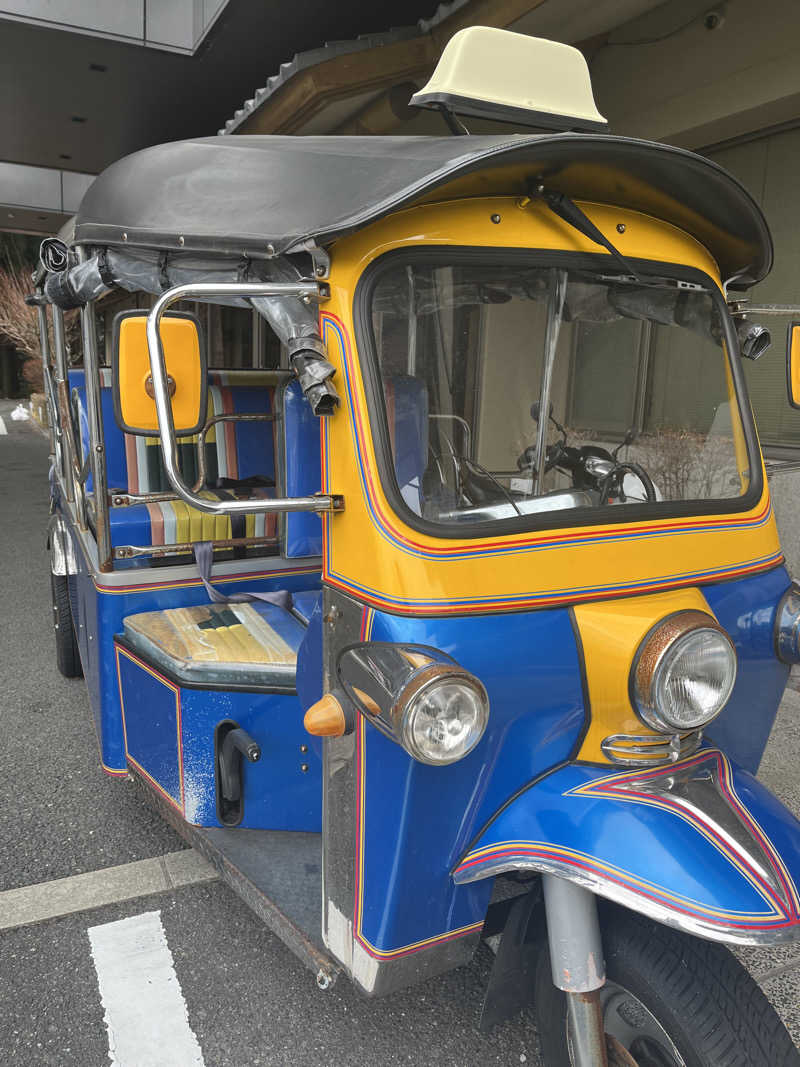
[510, 77]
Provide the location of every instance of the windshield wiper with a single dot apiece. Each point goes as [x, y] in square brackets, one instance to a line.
[566, 209]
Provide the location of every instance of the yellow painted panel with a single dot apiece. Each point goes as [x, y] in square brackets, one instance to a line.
[372, 554]
[181, 344]
[794, 364]
[611, 632]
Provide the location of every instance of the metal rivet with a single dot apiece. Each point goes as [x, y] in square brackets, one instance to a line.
[320, 271]
[270, 250]
[181, 241]
[620, 227]
[304, 767]
[124, 237]
[304, 748]
[495, 219]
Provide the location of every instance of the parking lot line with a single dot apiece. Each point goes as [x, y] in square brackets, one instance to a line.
[145, 1011]
[80, 892]
[2, 426]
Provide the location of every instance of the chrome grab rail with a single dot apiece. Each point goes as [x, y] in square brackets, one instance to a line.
[306, 291]
[186, 547]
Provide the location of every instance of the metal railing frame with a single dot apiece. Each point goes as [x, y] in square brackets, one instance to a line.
[94, 417]
[306, 291]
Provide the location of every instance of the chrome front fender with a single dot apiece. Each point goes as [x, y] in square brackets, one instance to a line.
[699, 845]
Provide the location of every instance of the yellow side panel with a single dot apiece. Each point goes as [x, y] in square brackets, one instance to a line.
[611, 632]
[181, 344]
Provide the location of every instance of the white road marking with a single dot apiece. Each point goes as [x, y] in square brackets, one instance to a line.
[2, 426]
[80, 892]
[145, 1013]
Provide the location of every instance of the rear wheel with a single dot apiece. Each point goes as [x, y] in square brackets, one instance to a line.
[670, 1001]
[68, 658]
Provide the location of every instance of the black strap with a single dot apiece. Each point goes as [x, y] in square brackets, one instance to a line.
[253, 481]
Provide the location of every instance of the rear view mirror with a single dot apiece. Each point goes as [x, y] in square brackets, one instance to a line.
[793, 363]
[187, 379]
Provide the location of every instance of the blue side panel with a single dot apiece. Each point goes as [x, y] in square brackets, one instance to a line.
[152, 709]
[309, 657]
[278, 793]
[419, 819]
[747, 611]
[169, 733]
[303, 472]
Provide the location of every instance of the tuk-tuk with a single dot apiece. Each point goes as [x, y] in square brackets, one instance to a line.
[468, 618]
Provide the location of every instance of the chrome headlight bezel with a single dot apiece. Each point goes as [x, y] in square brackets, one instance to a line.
[388, 682]
[657, 652]
[787, 626]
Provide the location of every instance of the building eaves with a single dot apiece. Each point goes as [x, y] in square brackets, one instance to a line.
[332, 50]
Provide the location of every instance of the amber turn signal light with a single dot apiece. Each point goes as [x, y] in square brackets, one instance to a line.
[326, 718]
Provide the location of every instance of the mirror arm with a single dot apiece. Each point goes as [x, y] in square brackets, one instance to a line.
[305, 291]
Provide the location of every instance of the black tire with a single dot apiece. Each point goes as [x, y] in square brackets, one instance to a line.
[707, 1004]
[68, 658]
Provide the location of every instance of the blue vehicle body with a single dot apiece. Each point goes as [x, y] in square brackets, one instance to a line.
[420, 878]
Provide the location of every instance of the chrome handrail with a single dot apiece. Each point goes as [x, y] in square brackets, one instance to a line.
[185, 547]
[306, 291]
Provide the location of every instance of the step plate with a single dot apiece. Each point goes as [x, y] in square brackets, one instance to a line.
[277, 873]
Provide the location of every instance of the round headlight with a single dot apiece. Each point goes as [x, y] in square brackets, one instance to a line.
[445, 719]
[683, 673]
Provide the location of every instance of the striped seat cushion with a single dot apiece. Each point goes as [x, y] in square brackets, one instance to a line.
[233, 450]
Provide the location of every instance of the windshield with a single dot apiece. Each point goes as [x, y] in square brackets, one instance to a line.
[516, 390]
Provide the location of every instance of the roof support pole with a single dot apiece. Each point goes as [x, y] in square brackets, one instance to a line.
[94, 416]
[62, 399]
[47, 382]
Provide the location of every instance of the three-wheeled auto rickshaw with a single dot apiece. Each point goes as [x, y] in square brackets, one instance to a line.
[465, 617]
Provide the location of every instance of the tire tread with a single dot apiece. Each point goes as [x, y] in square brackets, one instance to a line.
[68, 658]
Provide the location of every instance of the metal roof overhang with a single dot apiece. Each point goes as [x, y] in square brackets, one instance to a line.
[266, 196]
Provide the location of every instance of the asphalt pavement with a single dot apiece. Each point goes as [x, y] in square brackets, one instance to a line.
[249, 1002]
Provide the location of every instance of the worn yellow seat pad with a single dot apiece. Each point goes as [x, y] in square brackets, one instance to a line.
[219, 633]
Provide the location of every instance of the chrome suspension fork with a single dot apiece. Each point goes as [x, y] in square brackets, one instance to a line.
[576, 956]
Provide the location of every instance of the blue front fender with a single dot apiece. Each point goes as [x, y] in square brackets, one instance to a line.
[698, 844]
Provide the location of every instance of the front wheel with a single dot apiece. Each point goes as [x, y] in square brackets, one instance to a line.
[670, 1001]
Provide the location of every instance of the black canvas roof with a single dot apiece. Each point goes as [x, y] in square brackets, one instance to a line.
[264, 195]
